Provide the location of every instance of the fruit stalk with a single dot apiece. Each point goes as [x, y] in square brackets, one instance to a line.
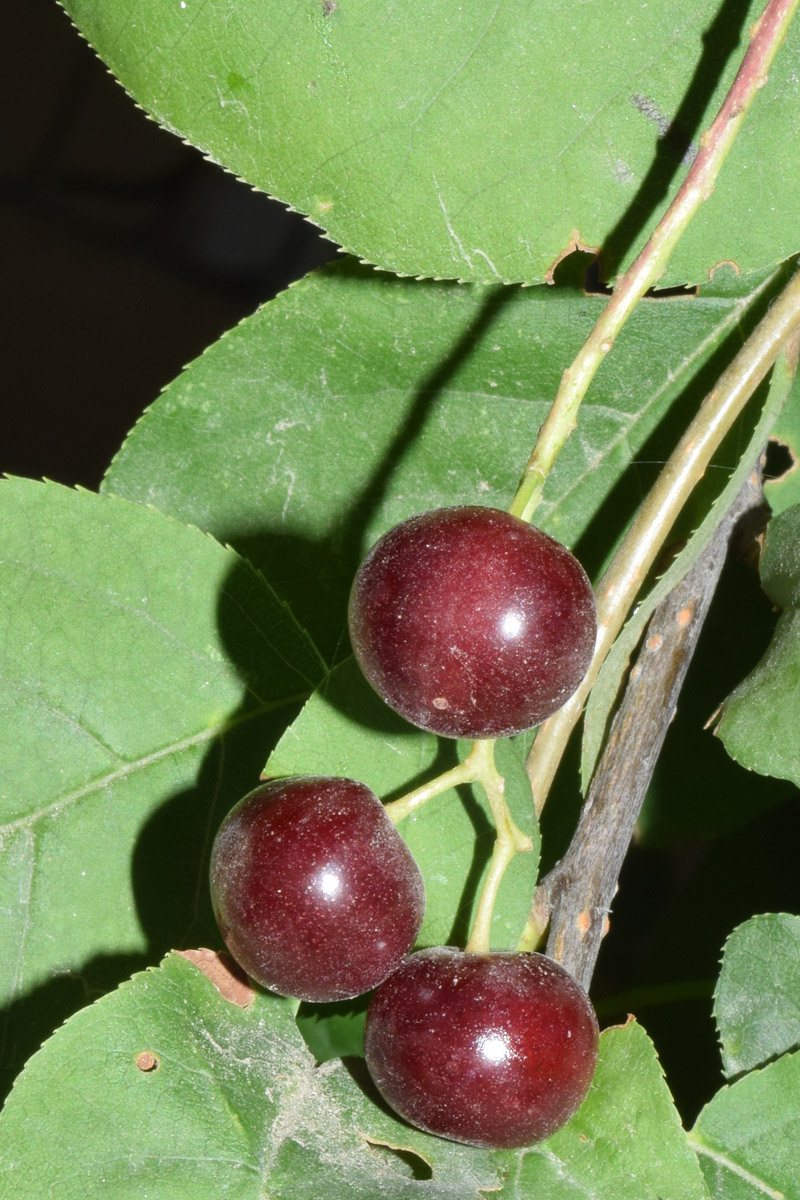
[478, 767]
[509, 840]
[766, 36]
[467, 771]
[637, 552]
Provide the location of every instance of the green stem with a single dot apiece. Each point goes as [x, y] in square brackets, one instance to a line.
[715, 144]
[478, 767]
[509, 841]
[466, 772]
[480, 937]
[637, 552]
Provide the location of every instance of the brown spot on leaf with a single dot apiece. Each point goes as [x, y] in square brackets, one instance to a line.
[329, 7]
[226, 975]
[575, 243]
[725, 262]
[648, 108]
[630, 1019]
[147, 1061]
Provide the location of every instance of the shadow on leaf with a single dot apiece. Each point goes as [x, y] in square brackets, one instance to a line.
[676, 135]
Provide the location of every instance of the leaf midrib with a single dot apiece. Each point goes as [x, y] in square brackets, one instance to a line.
[174, 748]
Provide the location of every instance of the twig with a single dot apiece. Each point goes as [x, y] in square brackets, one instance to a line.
[638, 550]
[578, 891]
[765, 39]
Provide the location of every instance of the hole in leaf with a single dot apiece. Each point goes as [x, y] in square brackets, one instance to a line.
[678, 292]
[779, 460]
[575, 270]
[595, 285]
[575, 249]
[413, 1165]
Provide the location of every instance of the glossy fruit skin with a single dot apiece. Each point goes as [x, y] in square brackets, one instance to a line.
[495, 1050]
[471, 623]
[315, 893]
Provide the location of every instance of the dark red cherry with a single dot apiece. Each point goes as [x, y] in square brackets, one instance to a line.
[316, 894]
[471, 623]
[494, 1049]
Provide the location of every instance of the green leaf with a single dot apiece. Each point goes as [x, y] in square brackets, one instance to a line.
[780, 562]
[471, 141]
[233, 1105]
[353, 400]
[756, 1004]
[748, 1137]
[334, 1030]
[344, 729]
[624, 1143]
[136, 652]
[761, 717]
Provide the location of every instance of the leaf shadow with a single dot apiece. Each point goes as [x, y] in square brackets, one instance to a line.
[359, 1072]
[676, 137]
[169, 873]
[346, 690]
[33, 1016]
[170, 860]
[314, 575]
[481, 854]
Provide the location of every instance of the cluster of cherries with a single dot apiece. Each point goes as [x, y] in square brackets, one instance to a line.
[471, 624]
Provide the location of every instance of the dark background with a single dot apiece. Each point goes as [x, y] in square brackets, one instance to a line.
[124, 252]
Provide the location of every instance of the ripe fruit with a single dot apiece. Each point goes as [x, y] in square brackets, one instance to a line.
[471, 623]
[493, 1049]
[316, 894]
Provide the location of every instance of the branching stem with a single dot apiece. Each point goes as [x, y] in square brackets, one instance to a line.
[509, 840]
[637, 552]
[766, 36]
[478, 767]
[635, 556]
[576, 895]
[466, 772]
